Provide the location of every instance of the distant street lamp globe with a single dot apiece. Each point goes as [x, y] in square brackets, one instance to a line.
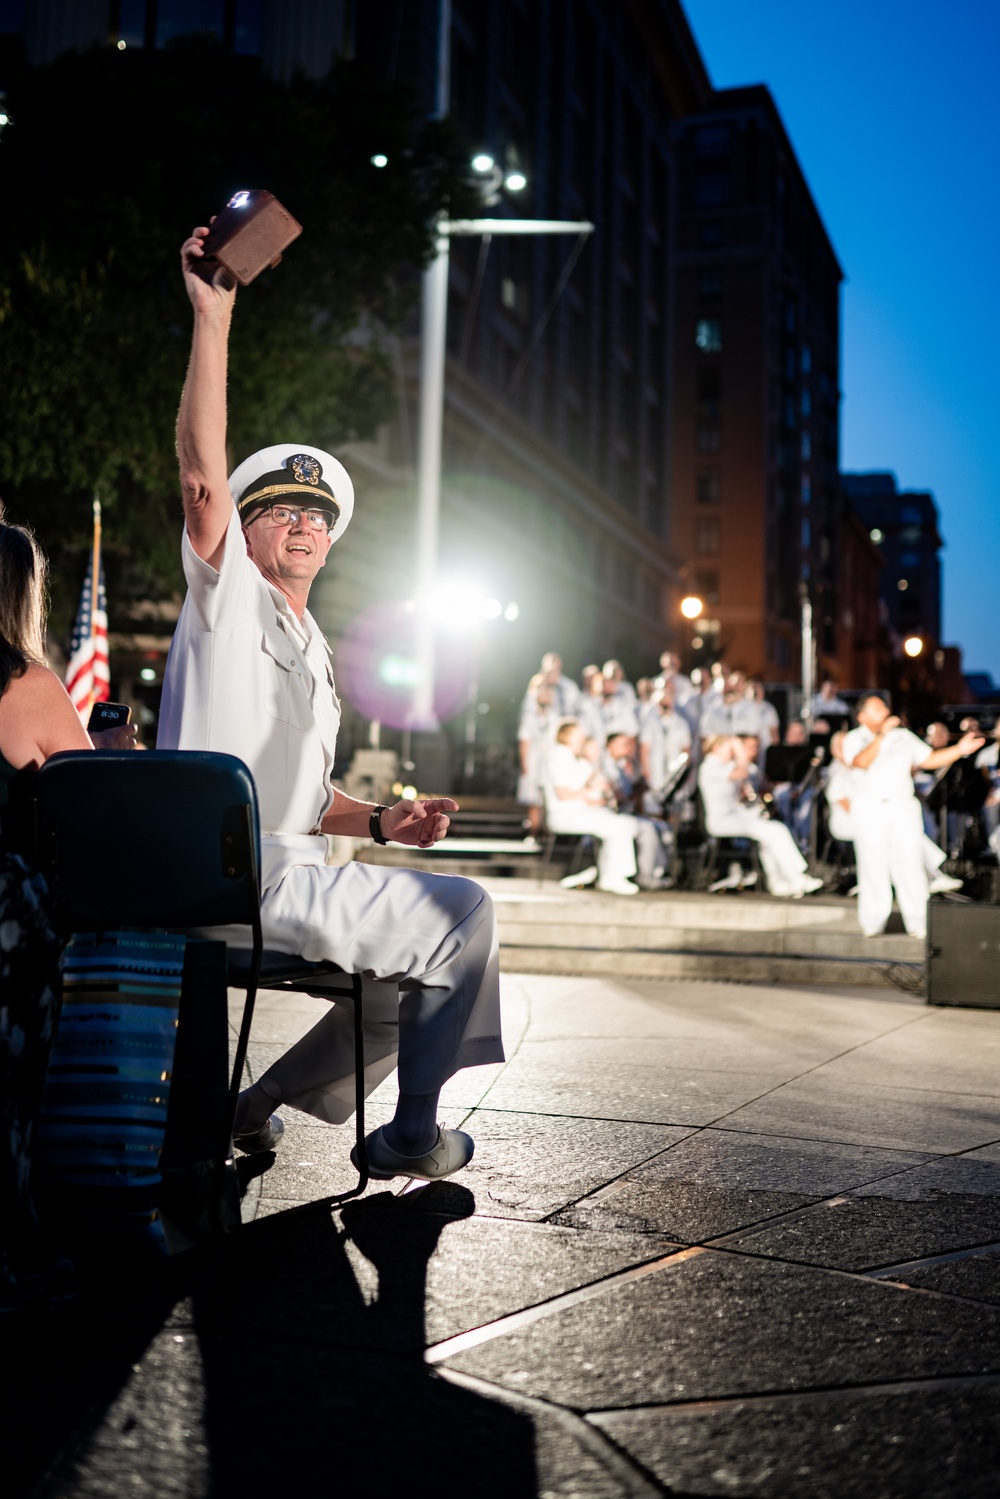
[691, 607]
[913, 645]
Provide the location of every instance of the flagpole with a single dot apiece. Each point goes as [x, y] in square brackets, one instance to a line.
[94, 583]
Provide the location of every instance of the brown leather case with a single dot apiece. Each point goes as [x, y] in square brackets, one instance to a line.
[250, 234]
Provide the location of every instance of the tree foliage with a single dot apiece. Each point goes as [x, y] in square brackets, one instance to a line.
[110, 159]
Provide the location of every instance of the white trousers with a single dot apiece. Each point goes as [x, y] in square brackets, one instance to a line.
[617, 832]
[427, 947]
[783, 865]
[889, 845]
[842, 828]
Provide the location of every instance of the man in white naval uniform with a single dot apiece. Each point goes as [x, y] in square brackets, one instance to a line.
[249, 674]
[724, 769]
[840, 789]
[888, 827]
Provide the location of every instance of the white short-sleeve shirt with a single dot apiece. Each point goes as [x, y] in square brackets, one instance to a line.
[666, 735]
[890, 775]
[245, 677]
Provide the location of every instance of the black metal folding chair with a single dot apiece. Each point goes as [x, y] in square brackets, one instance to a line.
[170, 840]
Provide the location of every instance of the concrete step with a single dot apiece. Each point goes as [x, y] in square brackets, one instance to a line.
[752, 968]
[682, 934]
[621, 937]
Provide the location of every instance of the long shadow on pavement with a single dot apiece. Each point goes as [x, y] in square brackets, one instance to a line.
[263, 1367]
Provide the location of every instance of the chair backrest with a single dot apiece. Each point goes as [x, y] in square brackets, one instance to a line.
[161, 838]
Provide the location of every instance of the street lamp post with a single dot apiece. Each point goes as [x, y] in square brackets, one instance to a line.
[431, 421]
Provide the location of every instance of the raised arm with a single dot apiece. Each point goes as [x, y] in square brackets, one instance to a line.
[869, 754]
[201, 421]
[939, 758]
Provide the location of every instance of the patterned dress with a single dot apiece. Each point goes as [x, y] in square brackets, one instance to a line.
[29, 1009]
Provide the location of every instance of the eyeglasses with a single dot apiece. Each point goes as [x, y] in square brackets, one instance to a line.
[290, 515]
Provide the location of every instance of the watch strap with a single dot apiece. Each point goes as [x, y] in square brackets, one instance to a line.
[375, 825]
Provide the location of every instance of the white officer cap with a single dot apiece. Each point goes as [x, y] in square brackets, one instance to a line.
[306, 475]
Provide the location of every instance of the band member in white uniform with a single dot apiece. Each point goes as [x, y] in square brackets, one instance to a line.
[249, 675]
[721, 776]
[888, 827]
[840, 791]
[574, 805]
[665, 736]
[535, 733]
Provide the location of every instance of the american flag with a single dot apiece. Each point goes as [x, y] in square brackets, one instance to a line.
[87, 676]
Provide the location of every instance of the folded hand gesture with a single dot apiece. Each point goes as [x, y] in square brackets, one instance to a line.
[418, 823]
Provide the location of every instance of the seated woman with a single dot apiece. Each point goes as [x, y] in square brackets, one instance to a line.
[575, 802]
[721, 777]
[37, 719]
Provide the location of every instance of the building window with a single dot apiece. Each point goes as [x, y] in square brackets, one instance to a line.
[710, 235]
[708, 335]
[707, 536]
[711, 140]
[807, 489]
[711, 190]
[789, 364]
[708, 486]
[709, 429]
[789, 411]
[205, 16]
[807, 359]
[807, 404]
[709, 411]
[706, 586]
[807, 446]
[806, 535]
[710, 286]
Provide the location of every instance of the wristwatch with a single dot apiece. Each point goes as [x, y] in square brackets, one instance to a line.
[375, 825]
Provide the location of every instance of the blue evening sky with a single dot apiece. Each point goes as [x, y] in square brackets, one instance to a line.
[892, 106]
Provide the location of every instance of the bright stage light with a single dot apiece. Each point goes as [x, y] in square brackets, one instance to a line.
[691, 607]
[913, 645]
[396, 671]
[378, 160]
[516, 182]
[482, 163]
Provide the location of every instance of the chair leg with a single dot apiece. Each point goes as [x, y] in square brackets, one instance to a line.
[359, 1107]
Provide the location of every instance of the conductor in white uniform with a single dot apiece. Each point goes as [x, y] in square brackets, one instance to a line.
[249, 674]
[888, 827]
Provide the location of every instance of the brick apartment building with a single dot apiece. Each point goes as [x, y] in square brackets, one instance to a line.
[754, 497]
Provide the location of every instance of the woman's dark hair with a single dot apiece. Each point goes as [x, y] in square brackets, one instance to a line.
[23, 575]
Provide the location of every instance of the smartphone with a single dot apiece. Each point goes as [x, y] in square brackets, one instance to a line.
[109, 716]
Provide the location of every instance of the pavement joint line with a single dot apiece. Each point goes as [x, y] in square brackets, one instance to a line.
[514, 1321]
[636, 1481]
[761, 1225]
[935, 1259]
[883, 965]
[815, 1392]
[931, 1155]
[808, 1071]
[856, 1275]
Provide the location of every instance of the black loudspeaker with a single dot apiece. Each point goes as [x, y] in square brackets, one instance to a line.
[963, 955]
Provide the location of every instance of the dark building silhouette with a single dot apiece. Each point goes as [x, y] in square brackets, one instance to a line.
[904, 526]
[755, 506]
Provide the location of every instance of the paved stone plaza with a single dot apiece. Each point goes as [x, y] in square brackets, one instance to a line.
[718, 1238]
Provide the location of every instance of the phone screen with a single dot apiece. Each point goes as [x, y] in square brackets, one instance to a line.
[109, 715]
